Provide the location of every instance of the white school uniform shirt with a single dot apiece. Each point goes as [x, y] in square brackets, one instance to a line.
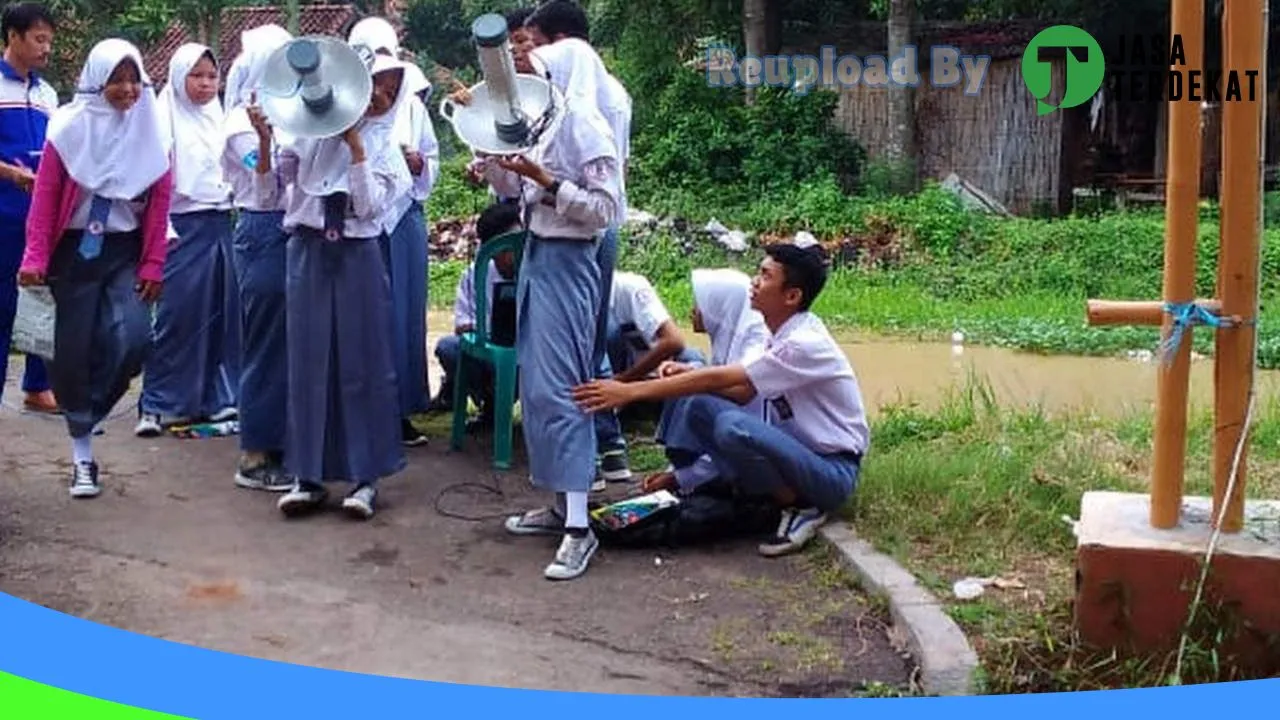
[249, 190]
[464, 306]
[239, 158]
[413, 127]
[196, 133]
[809, 389]
[116, 156]
[583, 156]
[580, 73]
[316, 168]
[633, 301]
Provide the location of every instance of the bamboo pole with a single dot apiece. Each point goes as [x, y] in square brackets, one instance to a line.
[1244, 25]
[1135, 312]
[1182, 198]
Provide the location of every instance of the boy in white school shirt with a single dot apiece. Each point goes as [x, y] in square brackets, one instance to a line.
[497, 220]
[806, 452]
[641, 333]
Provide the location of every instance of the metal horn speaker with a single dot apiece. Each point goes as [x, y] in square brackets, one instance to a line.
[509, 113]
[316, 86]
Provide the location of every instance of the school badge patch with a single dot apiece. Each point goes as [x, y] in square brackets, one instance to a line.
[781, 408]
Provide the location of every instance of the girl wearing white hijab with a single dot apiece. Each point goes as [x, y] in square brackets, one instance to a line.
[259, 243]
[96, 234]
[722, 309]
[192, 371]
[569, 188]
[343, 418]
[564, 55]
[404, 238]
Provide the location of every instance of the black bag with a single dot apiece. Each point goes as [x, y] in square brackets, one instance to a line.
[502, 323]
[712, 512]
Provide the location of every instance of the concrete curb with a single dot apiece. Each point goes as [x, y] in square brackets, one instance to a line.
[948, 664]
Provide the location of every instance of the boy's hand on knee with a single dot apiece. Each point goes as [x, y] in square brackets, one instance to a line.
[28, 278]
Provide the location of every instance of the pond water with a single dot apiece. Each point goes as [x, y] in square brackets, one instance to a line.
[893, 371]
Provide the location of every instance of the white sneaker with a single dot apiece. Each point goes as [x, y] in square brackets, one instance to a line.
[573, 556]
[148, 426]
[225, 414]
[798, 527]
[359, 504]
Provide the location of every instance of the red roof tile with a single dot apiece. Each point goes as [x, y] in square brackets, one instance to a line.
[332, 19]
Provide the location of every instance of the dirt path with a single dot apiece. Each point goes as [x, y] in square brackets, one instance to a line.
[172, 549]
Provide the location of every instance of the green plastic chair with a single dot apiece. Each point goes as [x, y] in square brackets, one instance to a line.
[476, 344]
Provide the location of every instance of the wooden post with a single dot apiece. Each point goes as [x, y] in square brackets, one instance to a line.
[1244, 26]
[1182, 209]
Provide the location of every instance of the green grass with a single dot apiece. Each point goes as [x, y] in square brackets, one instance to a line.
[974, 489]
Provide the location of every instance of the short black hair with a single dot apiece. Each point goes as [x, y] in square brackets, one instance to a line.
[21, 17]
[804, 268]
[517, 17]
[561, 17]
[496, 220]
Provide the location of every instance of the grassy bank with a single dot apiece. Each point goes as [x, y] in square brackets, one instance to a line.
[997, 484]
[922, 266]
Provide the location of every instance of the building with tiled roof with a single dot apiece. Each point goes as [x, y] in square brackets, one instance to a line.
[322, 19]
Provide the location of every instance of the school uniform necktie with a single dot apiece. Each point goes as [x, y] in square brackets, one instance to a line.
[335, 215]
[91, 240]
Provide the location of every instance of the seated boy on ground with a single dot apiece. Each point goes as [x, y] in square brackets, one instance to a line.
[806, 453]
[641, 336]
[496, 220]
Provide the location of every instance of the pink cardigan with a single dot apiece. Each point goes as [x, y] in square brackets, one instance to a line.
[54, 200]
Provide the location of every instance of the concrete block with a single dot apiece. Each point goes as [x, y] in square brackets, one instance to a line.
[1136, 584]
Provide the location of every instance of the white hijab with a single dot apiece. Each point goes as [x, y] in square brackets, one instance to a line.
[195, 131]
[323, 164]
[112, 154]
[247, 70]
[379, 35]
[723, 296]
[577, 70]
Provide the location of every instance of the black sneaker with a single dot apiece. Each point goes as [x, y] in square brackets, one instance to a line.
[410, 435]
[302, 498]
[614, 466]
[84, 480]
[267, 477]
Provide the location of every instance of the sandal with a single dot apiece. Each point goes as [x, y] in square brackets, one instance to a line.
[543, 521]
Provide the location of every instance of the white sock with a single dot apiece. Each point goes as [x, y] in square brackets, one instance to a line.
[575, 510]
[82, 449]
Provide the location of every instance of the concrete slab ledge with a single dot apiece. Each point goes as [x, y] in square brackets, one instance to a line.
[948, 664]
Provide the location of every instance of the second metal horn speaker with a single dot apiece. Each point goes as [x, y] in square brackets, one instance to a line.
[509, 113]
[316, 87]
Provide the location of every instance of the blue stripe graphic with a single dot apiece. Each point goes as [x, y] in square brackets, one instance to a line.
[106, 663]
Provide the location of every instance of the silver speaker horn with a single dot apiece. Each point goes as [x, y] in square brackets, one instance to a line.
[316, 86]
[509, 113]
